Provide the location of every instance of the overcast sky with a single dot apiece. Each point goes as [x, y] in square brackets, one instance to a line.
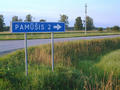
[104, 12]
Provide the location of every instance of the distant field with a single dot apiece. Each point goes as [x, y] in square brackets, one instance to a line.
[79, 65]
[68, 34]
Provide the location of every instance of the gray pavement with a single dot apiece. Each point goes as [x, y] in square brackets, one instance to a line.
[8, 46]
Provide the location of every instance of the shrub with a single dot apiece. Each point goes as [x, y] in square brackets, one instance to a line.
[100, 29]
[115, 28]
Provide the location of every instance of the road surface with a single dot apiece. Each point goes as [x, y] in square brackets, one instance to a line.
[12, 45]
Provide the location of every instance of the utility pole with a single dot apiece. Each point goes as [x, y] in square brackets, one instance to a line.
[85, 18]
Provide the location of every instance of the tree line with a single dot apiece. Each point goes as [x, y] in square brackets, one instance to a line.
[78, 25]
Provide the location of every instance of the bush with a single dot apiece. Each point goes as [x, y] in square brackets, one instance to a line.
[100, 29]
[6, 28]
[115, 28]
[109, 29]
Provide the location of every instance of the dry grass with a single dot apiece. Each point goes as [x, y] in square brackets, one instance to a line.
[71, 52]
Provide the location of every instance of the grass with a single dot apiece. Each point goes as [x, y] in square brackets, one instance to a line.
[68, 34]
[110, 62]
[79, 65]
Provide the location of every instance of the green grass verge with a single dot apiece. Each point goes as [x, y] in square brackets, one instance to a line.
[77, 67]
[20, 36]
[110, 62]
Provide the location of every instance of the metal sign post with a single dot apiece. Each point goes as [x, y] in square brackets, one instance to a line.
[52, 50]
[26, 54]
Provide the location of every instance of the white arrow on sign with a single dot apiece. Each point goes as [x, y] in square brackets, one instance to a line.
[57, 27]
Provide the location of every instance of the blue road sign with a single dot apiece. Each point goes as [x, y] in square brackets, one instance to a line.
[20, 27]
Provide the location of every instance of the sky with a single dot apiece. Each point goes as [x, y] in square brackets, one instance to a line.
[105, 13]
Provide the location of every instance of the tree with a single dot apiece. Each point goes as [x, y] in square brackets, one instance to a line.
[115, 28]
[28, 18]
[78, 24]
[108, 28]
[1, 23]
[14, 18]
[64, 18]
[89, 23]
[6, 28]
[100, 29]
[42, 20]
[20, 20]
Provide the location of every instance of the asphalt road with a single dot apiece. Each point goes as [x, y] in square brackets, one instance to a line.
[12, 45]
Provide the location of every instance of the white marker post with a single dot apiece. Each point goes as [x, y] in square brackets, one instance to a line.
[26, 55]
[52, 50]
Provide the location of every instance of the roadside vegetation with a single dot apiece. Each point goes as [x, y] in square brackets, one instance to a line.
[68, 34]
[79, 65]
